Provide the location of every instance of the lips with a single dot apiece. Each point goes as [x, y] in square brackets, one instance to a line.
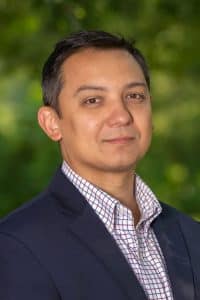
[120, 140]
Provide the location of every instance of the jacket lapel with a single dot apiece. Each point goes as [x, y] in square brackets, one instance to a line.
[171, 240]
[93, 234]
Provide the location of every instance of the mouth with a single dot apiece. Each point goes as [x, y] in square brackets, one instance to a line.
[120, 140]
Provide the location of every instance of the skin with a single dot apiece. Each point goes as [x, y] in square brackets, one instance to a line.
[105, 123]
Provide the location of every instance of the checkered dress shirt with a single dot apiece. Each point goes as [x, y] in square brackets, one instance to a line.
[138, 244]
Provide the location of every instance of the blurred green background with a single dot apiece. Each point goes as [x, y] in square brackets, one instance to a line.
[167, 31]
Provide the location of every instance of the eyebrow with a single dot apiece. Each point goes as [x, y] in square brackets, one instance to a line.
[89, 87]
[135, 84]
[102, 88]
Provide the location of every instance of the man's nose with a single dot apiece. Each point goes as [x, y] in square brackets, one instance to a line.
[119, 114]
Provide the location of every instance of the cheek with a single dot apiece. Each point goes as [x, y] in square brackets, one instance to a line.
[148, 131]
[144, 124]
[148, 123]
[84, 129]
[148, 126]
[89, 125]
[144, 120]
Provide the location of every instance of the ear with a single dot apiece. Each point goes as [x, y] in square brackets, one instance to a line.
[48, 120]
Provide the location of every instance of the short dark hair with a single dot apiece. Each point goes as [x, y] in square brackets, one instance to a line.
[51, 74]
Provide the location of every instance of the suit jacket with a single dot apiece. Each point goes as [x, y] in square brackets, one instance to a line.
[56, 247]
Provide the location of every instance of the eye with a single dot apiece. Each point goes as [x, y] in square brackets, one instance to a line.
[92, 101]
[139, 97]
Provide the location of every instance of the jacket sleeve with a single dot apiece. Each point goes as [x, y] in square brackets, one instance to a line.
[22, 276]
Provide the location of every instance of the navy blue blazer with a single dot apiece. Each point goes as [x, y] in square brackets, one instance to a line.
[56, 247]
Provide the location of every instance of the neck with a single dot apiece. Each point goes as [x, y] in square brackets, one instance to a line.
[121, 187]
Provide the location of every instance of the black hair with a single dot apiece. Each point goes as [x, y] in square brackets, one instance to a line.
[51, 74]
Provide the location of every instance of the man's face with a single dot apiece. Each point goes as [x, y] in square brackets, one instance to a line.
[105, 108]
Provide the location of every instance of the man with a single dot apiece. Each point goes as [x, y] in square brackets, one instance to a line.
[98, 232]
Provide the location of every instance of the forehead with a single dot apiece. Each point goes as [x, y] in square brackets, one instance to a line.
[103, 64]
[91, 57]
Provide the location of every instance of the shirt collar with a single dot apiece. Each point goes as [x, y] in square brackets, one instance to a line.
[105, 205]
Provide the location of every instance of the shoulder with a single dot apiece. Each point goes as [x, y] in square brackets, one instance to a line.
[31, 216]
[190, 230]
[189, 227]
[22, 249]
[45, 220]
[172, 212]
[38, 214]
[35, 231]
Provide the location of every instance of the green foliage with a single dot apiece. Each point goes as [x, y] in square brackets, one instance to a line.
[167, 31]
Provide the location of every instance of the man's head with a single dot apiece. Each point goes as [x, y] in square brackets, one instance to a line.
[97, 103]
[52, 80]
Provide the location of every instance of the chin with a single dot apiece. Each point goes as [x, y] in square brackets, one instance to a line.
[120, 167]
